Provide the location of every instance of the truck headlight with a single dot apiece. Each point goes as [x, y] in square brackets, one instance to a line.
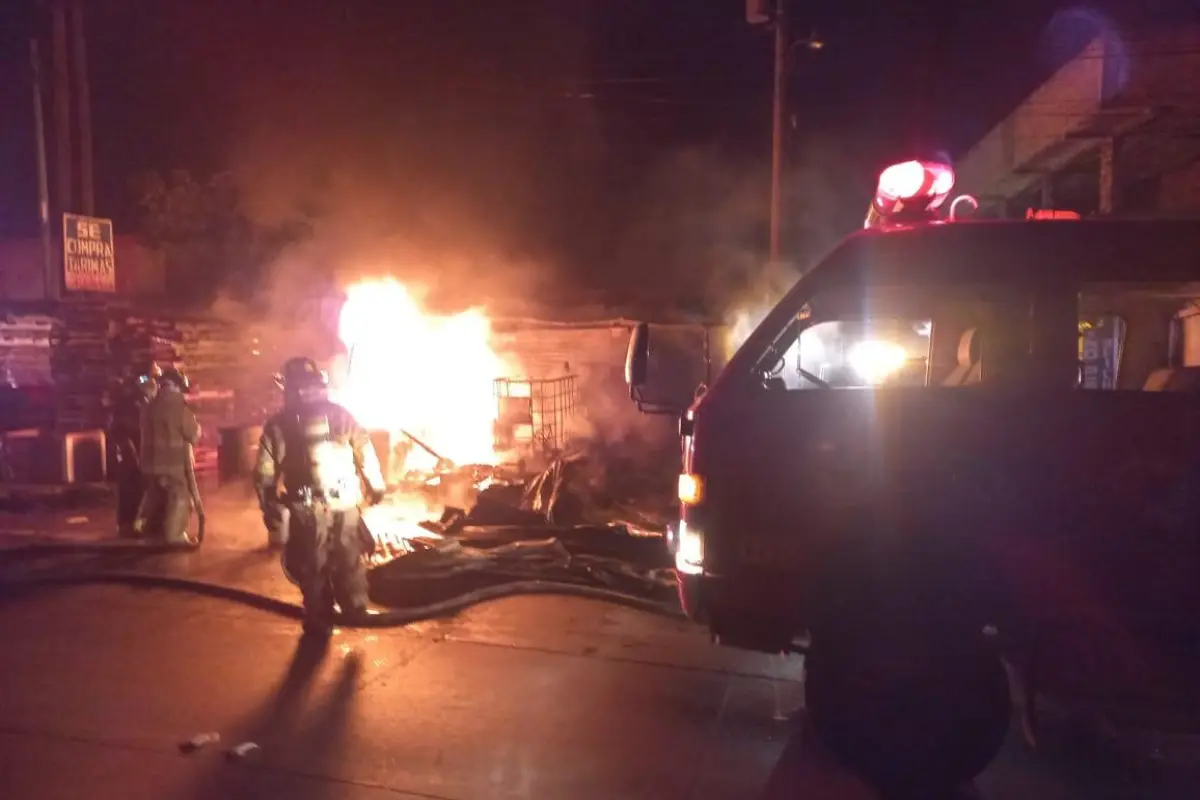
[691, 489]
[689, 552]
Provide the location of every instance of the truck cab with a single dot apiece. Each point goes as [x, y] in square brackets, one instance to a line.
[957, 458]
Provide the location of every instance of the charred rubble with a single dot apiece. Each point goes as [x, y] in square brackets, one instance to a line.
[564, 524]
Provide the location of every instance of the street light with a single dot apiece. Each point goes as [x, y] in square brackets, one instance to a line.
[757, 14]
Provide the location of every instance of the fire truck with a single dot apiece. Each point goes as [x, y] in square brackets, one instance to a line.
[957, 464]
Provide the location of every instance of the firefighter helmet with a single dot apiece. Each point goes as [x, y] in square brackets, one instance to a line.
[175, 376]
[301, 373]
[145, 374]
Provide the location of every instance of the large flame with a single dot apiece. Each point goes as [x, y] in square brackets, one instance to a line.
[428, 375]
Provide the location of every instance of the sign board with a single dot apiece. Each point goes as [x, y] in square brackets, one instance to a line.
[89, 264]
[756, 12]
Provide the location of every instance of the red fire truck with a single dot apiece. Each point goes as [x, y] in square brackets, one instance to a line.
[959, 457]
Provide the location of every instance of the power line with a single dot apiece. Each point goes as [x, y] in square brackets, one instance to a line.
[582, 94]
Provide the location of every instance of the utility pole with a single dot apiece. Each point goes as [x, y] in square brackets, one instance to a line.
[83, 96]
[780, 101]
[49, 273]
[62, 108]
[758, 13]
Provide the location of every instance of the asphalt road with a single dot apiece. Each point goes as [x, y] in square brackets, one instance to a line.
[523, 698]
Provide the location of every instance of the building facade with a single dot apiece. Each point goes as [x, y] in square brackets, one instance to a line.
[1114, 131]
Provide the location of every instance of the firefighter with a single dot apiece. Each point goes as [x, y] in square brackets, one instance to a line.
[318, 463]
[169, 434]
[125, 432]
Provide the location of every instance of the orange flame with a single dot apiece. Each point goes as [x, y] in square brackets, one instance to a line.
[408, 370]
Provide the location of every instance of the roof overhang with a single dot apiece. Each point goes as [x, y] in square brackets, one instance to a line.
[1082, 107]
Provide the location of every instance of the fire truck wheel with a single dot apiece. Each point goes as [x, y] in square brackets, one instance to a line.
[909, 716]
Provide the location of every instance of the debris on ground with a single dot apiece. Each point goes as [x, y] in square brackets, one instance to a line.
[243, 750]
[198, 741]
[578, 500]
[481, 557]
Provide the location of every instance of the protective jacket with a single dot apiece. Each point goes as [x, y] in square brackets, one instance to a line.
[125, 429]
[169, 432]
[125, 434]
[318, 462]
[317, 450]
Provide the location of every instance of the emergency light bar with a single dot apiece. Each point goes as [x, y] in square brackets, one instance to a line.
[910, 192]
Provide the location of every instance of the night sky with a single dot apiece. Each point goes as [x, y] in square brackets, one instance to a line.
[592, 135]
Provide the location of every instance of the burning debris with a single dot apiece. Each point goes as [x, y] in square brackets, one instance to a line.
[425, 380]
[540, 527]
[425, 385]
[436, 396]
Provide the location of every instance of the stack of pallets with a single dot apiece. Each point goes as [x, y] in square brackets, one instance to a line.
[212, 353]
[80, 366]
[25, 349]
[137, 340]
[208, 351]
[26, 379]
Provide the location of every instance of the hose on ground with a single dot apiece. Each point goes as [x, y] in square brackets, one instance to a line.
[94, 548]
[394, 618]
[455, 560]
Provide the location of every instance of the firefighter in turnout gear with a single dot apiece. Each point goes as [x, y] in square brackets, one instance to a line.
[169, 433]
[125, 432]
[318, 463]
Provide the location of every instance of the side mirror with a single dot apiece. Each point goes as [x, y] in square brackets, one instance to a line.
[637, 359]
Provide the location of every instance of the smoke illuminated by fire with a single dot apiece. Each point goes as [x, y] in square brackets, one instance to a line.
[408, 370]
[741, 324]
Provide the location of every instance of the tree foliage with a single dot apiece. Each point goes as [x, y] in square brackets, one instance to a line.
[208, 242]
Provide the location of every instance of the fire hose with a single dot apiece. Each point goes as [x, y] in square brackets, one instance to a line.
[525, 576]
[385, 619]
[194, 491]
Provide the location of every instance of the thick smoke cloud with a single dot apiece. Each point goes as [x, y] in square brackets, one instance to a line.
[450, 172]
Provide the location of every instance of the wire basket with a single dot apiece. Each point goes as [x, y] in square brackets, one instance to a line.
[534, 416]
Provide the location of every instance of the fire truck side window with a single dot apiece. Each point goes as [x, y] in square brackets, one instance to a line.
[980, 334]
[1143, 337]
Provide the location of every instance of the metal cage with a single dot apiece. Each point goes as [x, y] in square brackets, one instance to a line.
[533, 416]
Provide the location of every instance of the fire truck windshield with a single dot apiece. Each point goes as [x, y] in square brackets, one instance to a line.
[856, 337]
[856, 352]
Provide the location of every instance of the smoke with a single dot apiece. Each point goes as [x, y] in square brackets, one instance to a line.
[698, 225]
[452, 173]
[480, 191]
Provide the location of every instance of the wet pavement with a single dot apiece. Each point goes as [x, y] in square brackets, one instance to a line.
[521, 698]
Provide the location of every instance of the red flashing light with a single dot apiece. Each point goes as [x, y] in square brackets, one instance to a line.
[913, 187]
[903, 181]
